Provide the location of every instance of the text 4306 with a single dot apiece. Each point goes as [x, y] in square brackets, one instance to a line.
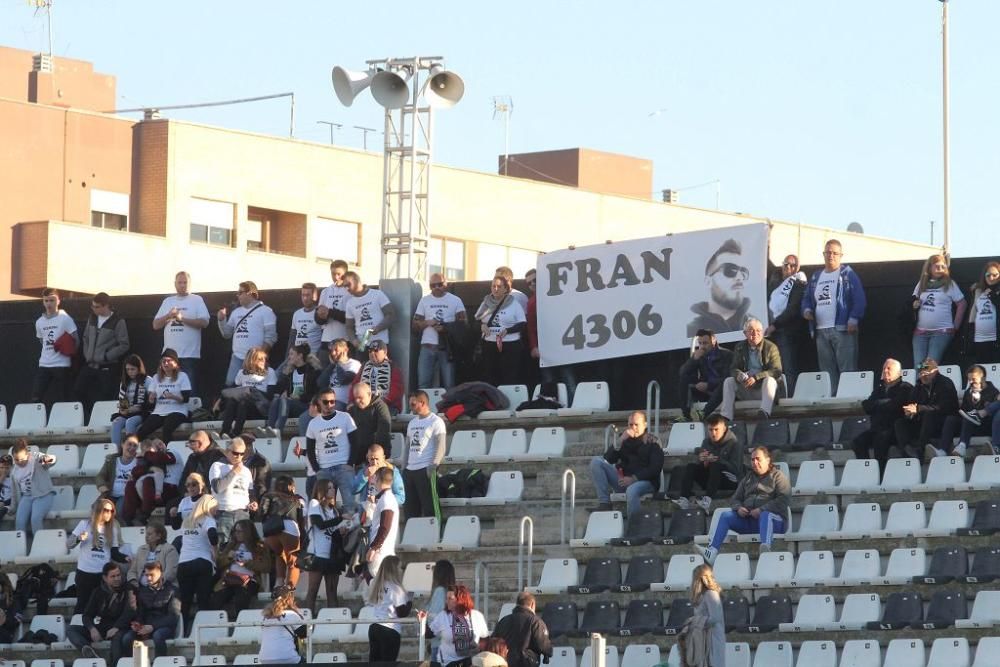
[597, 329]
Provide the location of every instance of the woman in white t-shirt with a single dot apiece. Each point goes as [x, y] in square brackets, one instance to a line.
[278, 631]
[459, 627]
[169, 396]
[133, 404]
[983, 314]
[199, 541]
[32, 485]
[251, 395]
[501, 321]
[327, 527]
[6, 485]
[940, 307]
[99, 539]
[390, 601]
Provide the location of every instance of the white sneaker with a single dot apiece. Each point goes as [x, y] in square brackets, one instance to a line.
[930, 451]
[708, 553]
[764, 548]
[705, 503]
[681, 502]
[959, 450]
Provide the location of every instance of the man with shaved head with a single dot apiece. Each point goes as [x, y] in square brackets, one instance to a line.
[435, 313]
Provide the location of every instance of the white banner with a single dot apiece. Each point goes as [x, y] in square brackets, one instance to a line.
[650, 295]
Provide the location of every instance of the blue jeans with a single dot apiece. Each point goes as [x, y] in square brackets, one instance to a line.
[788, 348]
[225, 520]
[431, 360]
[190, 367]
[235, 364]
[929, 344]
[766, 526]
[122, 426]
[837, 352]
[605, 478]
[33, 510]
[343, 478]
[564, 374]
[281, 407]
[965, 429]
[991, 411]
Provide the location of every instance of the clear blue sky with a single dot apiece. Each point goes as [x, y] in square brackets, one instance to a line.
[819, 111]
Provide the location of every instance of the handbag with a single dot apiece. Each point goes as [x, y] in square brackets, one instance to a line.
[235, 579]
[272, 525]
[236, 393]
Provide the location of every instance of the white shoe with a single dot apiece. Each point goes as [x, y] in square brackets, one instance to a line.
[930, 451]
[764, 548]
[959, 450]
[681, 502]
[708, 553]
[705, 503]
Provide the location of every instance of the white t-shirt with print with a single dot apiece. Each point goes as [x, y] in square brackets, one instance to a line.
[505, 318]
[393, 596]
[307, 332]
[366, 311]
[338, 378]
[241, 554]
[194, 541]
[437, 309]
[249, 332]
[236, 496]
[334, 297]
[184, 340]
[386, 500]
[825, 297]
[49, 330]
[22, 476]
[457, 632]
[277, 646]
[258, 381]
[7, 491]
[320, 541]
[986, 319]
[421, 439]
[332, 446]
[165, 406]
[94, 551]
[935, 306]
[123, 473]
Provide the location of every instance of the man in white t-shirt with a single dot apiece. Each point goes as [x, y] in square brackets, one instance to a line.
[329, 439]
[57, 333]
[182, 316]
[834, 304]
[368, 313]
[330, 310]
[434, 313]
[231, 483]
[251, 324]
[385, 523]
[426, 442]
[305, 329]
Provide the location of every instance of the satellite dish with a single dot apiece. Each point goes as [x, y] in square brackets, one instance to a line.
[856, 228]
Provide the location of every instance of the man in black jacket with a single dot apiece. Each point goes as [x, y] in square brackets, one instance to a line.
[105, 343]
[633, 464]
[884, 406]
[719, 466]
[204, 453]
[157, 610]
[106, 615]
[259, 466]
[788, 329]
[702, 374]
[525, 633]
[934, 399]
[373, 421]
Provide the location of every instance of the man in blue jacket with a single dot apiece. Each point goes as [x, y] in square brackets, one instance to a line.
[834, 303]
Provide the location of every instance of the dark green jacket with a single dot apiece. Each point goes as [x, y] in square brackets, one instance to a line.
[769, 357]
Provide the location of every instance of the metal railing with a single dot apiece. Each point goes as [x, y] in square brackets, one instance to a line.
[653, 407]
[483, 586]
[610, 435]
[521, 583]
[569, 517]
[421, 624]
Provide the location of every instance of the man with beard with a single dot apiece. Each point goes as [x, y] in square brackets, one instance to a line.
[725, 276]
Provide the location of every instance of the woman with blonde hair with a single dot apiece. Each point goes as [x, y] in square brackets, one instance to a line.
[277, 634]
[196, 562]
[940, 307]
[390, 600]
[707, 619]
[983, 316]
[250, 398]
[99, 539]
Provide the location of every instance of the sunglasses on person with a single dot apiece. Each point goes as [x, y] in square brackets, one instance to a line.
[325, 401]
[108, 510]
[731, 270]
[232, 453]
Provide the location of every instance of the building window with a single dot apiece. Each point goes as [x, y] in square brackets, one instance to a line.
[336, 239]
[447, 256]
[489, 257]
[109, 210]
[211, 222]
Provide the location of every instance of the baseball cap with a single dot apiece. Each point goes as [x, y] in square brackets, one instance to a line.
[927, 365]
[376, 345]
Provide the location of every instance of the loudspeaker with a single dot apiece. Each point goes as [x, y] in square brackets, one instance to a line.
[347, 84]
[389, 88]
[443, 89]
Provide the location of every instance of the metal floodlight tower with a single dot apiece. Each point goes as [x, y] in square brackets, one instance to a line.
[409, 89]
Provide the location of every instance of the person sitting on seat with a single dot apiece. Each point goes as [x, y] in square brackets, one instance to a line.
[754, 374]
[971, 419]
[884, 406]
[719, 466]
[703, 373]
[934, 398]
[633, 464]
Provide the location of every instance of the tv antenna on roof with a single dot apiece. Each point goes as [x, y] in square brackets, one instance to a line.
[504, 105]
[39, 5]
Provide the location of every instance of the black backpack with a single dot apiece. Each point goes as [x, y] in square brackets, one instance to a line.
[463, 483]
[39, 583]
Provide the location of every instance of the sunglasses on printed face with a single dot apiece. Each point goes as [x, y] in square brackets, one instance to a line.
[731, 270]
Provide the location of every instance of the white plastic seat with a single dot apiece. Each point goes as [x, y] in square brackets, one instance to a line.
[100, 418]
[63, 501]
[641, 655]
[505, 610]
[53, 623]
[209, 660]
[434, 395]
[738, 654]
[206, 635]
[685, 438]
[814, 568]
[420, 533]
[862, 653]
[506, 486]
[181, 451]
[949, 652]
[28, 418]
[291, 462]
[508, 443]
[904, 564]
[954, 373]
[46, 545]
[909, 375]
[557, 574]
[515, 393]
[810, 388]
[858, 610]
[860, 567]
[85, 498]
[818, 522]
[905, 652]
[270, 448]
[732, 570]
[774, 654]
[987, 652]
[904, 520]
[774, 569]
[861, 520]
[947, 516]
[329, 657]
[94, 456]
[817, 653]
[13, 545]
[125, 662]
[417, 578]
[397, 443]
[64, 418]
[134, 535]
[328, 632]
[563, 656]
[170, 661]
[460, 532]
[67, 460]
[246, 634]
[859, 476]
[815, 477]
[466, 445]
[679, 569]
[901, 475]
[945, 473]
[812, 612]
[716, 516]
[985, 611]
[610, 656]
[602, 527]
[548, 442]
[855, 385]
[590, 397]
[3, 420]
[985, 473]
[246, 659]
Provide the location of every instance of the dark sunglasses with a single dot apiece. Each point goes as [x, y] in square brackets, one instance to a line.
[236, 453]
[731, 270]
[324, 401]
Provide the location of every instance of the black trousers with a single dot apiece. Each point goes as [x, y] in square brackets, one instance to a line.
[54, 379]
[383, 643]
[86, 584]
[915, 433]
[195, 578]
[709, 478]
[166, 423]
[421, 494]
[877, 442]
[96, 384]
[502, 367]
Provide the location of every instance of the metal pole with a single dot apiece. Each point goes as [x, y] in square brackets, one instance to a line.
[945, 103]
[291, 120]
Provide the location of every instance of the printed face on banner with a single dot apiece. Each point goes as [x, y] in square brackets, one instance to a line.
[649, 295]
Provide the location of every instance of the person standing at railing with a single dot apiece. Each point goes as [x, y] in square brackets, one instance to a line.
[278, 635]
